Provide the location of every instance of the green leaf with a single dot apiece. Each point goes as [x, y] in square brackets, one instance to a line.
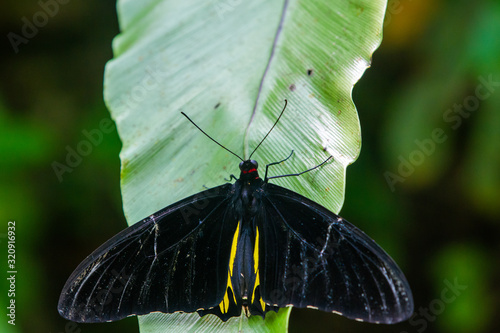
[230, 65]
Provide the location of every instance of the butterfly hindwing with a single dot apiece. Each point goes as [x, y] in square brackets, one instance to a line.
[173, 260]
[314, 258]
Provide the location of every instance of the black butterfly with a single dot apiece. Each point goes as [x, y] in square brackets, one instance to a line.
[251, 246]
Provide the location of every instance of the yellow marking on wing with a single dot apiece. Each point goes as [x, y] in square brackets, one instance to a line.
[224, 304]
[257, 282]
[256, 269]
[256, 252]
[262, 304]
[233, 248]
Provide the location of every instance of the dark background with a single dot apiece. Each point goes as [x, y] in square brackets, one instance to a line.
[440, 220]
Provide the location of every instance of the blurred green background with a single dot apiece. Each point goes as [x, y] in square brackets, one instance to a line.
[426, 185]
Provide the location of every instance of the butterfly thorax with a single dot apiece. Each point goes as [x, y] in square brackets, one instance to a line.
[248, 188]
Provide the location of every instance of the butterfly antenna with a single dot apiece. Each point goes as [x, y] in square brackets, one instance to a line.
[202, 131]
[286, 102]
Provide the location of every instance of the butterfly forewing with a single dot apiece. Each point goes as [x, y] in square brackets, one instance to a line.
[174, 260]
[313, 258]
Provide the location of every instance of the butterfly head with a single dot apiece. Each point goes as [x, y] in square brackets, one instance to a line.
[248, 169]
